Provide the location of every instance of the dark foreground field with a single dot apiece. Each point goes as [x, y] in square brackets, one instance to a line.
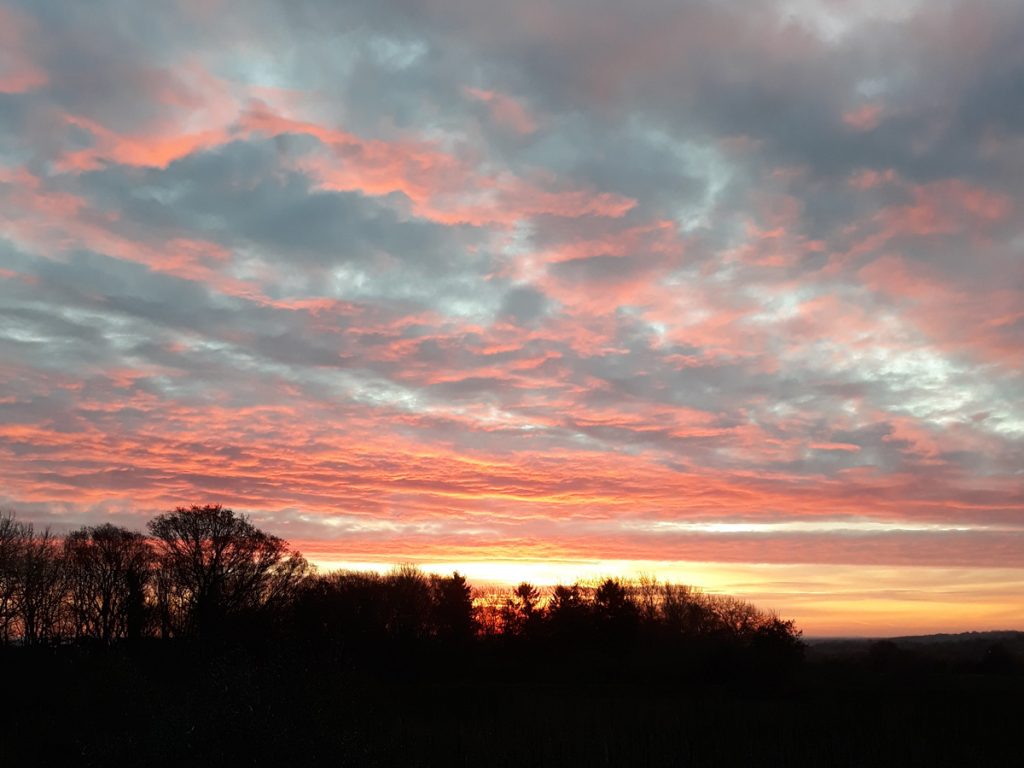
[176, 705]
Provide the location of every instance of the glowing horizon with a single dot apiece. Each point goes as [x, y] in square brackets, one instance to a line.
[728, 291]
[828, 601]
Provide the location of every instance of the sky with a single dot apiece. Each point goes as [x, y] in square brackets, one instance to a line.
[730, 293]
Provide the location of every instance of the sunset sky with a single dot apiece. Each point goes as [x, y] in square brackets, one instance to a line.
[730, 293]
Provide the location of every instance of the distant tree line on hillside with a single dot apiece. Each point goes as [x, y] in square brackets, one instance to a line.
[207, 574]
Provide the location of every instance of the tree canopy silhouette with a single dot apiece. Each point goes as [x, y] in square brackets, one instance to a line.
[208, 573]
[110, 569]
[213, 564]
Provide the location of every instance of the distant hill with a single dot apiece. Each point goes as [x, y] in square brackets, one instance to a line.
[961, 637]
[946, 637]
[962, 648]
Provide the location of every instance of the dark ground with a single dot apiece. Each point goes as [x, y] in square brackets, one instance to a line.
[872, 704]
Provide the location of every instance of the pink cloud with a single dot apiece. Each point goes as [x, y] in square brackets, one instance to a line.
[947, 207]
[872, 179]
[19, 35]
[505, 110]
[951, 550]
[441, 186]
[952, 317]
[844, 447]
[864, 118]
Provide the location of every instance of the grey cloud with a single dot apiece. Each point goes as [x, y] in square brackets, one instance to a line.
[524, 305]
[704, 113]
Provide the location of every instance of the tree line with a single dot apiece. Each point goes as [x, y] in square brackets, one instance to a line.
[206, 573]
[197, 568]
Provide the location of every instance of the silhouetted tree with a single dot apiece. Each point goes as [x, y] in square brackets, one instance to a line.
[215, 564]
[452, 608]
[528, 597]
[685, 611]
[14, 536]
[736, 617]
[408, 603]
[521, 610]
[647, 593]
[615, 612]
[347, 609]
[109, 569]
[777, 643]
[567, 612]
[612, 601]
[566, 600]
[40, 587]
[613, 607]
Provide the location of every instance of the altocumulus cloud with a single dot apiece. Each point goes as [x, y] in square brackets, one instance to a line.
[521, 280]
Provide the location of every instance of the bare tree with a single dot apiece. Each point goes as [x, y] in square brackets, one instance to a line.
[737, 617]
[685, 610]
[647, 593]
[14, 536]
[215, 563]
[109, 572]
[41, 588]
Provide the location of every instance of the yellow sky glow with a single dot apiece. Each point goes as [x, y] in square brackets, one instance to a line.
[825, 600]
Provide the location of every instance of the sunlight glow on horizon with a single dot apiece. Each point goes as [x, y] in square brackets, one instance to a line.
[824, 600]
